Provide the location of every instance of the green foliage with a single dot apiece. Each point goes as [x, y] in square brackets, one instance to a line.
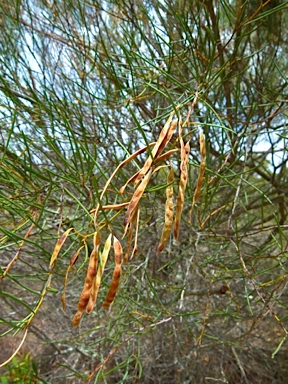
[83, 86]
[21, 370]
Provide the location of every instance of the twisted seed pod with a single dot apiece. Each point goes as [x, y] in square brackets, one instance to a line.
[97, 281]
[90, 276]
[135, 248]
[169, 211]
[130, 233]
[201, 170]
[58, 247]
[116, 273]
[202, 146]
[136, 198]
[162, 141]
[182, 186]
[71, 263]
[167, 138]
[122, 164]
[113, 287]
[199, 182]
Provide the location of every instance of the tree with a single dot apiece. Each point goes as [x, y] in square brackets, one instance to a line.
[84, 86]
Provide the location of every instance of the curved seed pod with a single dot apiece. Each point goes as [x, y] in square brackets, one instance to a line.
[58, 247]
[113, 287]
[124, 162]
[90, 276]
[128, 246]
[111, 206]
[201, 171]
[135, 248]
[182, 186]
[166, 155]
[76, 319]
[85, 295]
[163, 139]
[167, 138]
[71, 263]
[133, 177]
[100, 271]
[116, 274]
[136, 198]
[134, 216]
[117, 251]
[169, 211]
[202, 146]
[199, 182]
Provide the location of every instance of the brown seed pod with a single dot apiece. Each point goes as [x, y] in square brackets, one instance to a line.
[182, 186]
[113, 287]
[202, 146]
[97, 281]
[201, 172]
[15, 258]
[122, 164]
[135, 248]
[111, 206]
[133, 177]
[116, 274]
[58, 247]
[71, 263]
[167, 138]
[199, 182]
[76, 319]
[85, 295]
[166, 155]
[136, 198]
[169, 212]
[118, 252]
[90, 276]
[130, 233]
[163, 139]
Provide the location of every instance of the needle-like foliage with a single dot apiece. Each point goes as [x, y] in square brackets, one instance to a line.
[160, 128]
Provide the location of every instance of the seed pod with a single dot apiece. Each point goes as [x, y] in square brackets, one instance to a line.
[15, 258]
[136, 198]
[166, 155]
[135, 248]
[163, 139]
[111, 206]
[113, 287]
[116, 274]
[133, 177]
[135, 216]
[167, 138]
[90, 276]
[124, 162]
[201, 171]
[182, 186]
[71, 263]
[97, 281]
[202, 146]
[199, 182]
[85, 295]
[58, 247]
[117, 251]
[169, 211]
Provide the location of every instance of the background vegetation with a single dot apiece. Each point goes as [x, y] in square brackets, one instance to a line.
[84, 84]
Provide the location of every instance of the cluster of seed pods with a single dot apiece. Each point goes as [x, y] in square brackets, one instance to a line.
[155, 159]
